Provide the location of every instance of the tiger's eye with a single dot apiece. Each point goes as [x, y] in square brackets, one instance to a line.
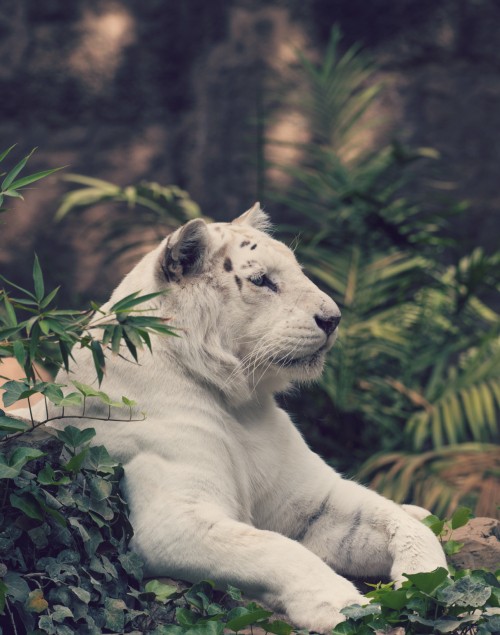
[258, 282]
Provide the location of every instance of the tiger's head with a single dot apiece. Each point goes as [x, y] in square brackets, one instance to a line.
[249, 319]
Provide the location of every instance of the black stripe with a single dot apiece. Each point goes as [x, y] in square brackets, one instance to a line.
[345, 544]
[311, 520]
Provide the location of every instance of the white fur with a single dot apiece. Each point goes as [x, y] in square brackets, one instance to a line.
[219, 482]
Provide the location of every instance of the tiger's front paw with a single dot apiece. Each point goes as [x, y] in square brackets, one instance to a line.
[321, 611]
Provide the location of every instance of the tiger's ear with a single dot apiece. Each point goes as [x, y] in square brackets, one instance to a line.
[185, 251]
[256, 217]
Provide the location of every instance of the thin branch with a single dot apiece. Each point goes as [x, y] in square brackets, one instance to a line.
[31, 413]
[415, 397]
[7, 606]
[41, 423]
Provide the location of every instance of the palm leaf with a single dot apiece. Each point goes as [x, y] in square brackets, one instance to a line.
[440, 480]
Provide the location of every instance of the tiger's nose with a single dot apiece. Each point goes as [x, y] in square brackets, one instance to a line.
[327, 324]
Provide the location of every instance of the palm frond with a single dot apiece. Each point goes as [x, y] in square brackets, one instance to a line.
[440, 480]
[464, 400]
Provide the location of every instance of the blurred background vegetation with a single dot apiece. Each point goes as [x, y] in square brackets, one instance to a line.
[363, 156]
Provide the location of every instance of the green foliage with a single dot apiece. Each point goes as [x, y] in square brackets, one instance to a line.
[433, 602]
[11, 185]
[417, 366]
[443, 528]
[65, 565]
[47, 335]
[148, 211]
[35, 331]
[440, 479]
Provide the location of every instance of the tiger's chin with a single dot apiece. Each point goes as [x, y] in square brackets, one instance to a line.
[305, 368]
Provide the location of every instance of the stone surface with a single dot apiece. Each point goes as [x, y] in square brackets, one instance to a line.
[123, 91]
[481, 538]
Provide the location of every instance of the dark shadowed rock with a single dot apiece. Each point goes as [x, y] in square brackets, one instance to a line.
[481, 538]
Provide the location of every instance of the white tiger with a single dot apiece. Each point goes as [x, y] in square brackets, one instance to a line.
[219, 482]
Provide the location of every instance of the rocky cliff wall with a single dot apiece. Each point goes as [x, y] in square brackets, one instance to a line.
[176, 92]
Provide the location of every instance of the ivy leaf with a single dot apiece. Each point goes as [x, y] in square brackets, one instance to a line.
[98, 459]
[466, 592]
[61, 613]
[278, 627]
[46, 625]
[421, 620]
[74, 437]
[393, 599]
[75, 463]
[198, 595]
[14, 391]
[234, 593]
[22, 455]
[6, 471]
[452, 547]
[240, 617]
[100, 488]
[461, 517]
[87, 391]
[114, 611]
[428, 582]
[82, 594]
[74, 522]
[162, 591]
[434, 523]
[36, 603]
[133, 564]
[169, 629]
[356, 611]
[452, 624]
[3, 592]
[108, 401]
[53, 393]
[207, 628]
[17, 588]
[11, 425]
[47, 476]
[27, 504]
[72, 399]
[186, 618]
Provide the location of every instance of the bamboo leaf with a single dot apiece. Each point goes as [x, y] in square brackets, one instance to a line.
[449, 423]
[132, 300]
[38, 280]
[32, 178]
[10, 312]
[6, 152]
[489, 409]
[15, 171]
